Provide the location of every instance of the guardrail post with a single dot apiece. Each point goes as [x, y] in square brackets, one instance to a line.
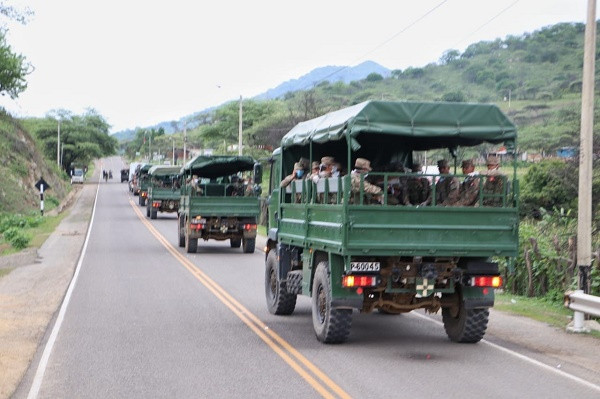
[578, 323]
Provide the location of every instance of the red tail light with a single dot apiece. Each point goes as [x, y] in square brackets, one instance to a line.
[359, 281]
[249, 227]
[144, 194]
[486, 281]
[156, 204]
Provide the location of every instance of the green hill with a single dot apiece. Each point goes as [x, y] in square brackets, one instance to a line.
[21, 166]
[535, 78]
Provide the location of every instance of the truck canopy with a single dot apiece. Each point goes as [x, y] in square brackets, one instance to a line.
[426, 125]
[383, 130]
[217, 165]
[164, 170]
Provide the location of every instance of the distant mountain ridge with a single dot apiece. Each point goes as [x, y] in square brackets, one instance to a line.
[330, 73]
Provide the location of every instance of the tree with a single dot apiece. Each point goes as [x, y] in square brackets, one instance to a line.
[374, 77]
[449, 56]
[13, 69]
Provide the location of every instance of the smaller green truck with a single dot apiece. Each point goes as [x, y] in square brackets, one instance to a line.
[163, 190]
[219, 201]
[141, 183]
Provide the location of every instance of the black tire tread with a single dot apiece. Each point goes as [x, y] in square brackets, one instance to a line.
[468, 327]
[285, 303]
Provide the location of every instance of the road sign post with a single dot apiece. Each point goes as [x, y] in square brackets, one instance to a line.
[42, 185]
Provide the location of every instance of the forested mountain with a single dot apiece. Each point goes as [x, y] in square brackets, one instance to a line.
[534, 77]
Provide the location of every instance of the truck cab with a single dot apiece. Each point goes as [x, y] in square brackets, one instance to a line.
[349, 244]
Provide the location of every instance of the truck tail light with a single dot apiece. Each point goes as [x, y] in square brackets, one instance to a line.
[156, 204]
[486, 281]
[249, 227]
[359, 281]
[196, 226]
[144, 194]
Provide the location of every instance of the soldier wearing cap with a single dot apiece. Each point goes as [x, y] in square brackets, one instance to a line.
[469, 189]
[417, 188]
[446, 188]
[361, 167]
[493, 186]
[298, 173]
[325, 171]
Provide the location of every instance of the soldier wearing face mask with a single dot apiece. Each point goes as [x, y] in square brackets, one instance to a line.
[297, 174]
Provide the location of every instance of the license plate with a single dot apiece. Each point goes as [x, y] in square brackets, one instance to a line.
[365, 266]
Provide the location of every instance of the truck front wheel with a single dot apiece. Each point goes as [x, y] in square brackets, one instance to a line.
[465, 325]
[279, 301]
[248, 245]
[331, 325]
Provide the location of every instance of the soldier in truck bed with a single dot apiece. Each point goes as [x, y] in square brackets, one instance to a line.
[469, 189]
[417, 188]
[361, 167]
[494, 182]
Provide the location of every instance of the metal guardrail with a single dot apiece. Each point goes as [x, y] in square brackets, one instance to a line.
[584, 303]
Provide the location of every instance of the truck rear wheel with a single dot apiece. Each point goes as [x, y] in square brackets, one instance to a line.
[248, 245]
[153, 213]
[191, 244]
[147, 212]
[467, 325]
[235, 242]
[331, 325]
[279, 301]
[180, 232]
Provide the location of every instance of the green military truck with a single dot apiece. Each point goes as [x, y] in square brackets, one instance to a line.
[218, 203]
[328, 240]
[141, 183]
[163, 190]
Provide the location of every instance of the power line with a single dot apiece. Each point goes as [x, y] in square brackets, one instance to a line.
[485, 24]
[382, 44]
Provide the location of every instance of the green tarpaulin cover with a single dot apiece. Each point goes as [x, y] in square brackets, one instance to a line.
[164, 170]
[426, 125]
[218, 165]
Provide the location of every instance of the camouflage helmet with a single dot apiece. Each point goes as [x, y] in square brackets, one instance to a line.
[493, 160]
[467, 163]
[328, 161]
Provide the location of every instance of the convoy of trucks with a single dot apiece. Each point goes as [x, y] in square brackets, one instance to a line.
[163, 190]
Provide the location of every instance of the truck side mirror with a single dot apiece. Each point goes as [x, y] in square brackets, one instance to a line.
[257, 173]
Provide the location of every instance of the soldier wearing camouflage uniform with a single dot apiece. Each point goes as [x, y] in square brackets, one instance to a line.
[417, 188]
[447, 187]
[362, 166]
[494, 182]
[469, 189]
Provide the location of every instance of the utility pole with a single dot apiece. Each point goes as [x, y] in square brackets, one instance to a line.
[150, 148]
[240, 130]
[184, 142]
[58, 146]
[173, 140]
[584, 219]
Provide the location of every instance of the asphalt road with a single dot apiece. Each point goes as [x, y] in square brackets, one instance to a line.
[147, 320]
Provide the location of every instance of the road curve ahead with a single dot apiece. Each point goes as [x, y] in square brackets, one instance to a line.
[144, 319]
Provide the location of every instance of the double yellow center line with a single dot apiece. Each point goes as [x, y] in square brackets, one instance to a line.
[307, 370]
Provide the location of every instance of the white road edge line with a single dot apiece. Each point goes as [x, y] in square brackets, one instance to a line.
[525, 358]
[39, 374]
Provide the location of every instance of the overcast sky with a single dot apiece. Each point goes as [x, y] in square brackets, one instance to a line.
[141, 62]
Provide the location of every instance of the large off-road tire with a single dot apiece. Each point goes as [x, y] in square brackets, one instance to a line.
[466, 326]
[248, 245]
[191, 244]
[331, 326]
[142, 200]
[147, 211]
[180, 232]
[235, 242]
[279, 301]
[153, 213]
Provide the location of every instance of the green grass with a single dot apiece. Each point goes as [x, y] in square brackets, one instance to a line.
[552, 313]
[43, 231]
[4, 272]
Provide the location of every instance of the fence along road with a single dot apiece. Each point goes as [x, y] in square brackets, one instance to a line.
[146, 320]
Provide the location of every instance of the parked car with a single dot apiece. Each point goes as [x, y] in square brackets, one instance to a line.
[77, 176]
